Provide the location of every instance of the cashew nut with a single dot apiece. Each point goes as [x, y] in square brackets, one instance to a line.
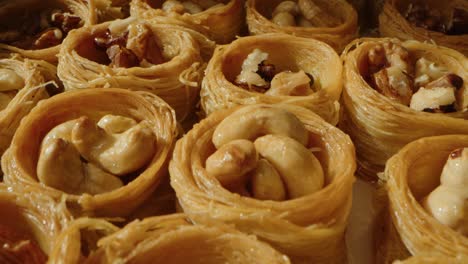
[448, 203]
[10, 81]
[173, 6]
[231, 162]
[252, 122]
[290, 83]
[116, 124]
[118, 154]
[300, 170]
[60, 167]
[266, 182]
[191, 7]
[284, 19]
[286, 6]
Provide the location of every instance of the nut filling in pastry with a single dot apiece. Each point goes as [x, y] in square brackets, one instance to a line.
[82, 156]
[124, 45]
[260, 76]
[452, 21]
[448, 203]
[37, 28]
[422, 85]
[266, 155]
[190, 7]
[303, 13]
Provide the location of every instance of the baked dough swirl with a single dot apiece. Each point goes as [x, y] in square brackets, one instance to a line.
[411, 176]
[220, 20]
[220, 88]
[105, 150]
[23, 83]
[444, 23]
[167, 239]
[287, 213]
[337, 35]
[379, 122]
[163, 59]
[30, 224]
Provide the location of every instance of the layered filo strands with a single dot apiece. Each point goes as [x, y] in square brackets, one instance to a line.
[431, 259]
[35, 29]
[396, 92]
[334, 22]
[221, 20]
[267, 170]
[30, 225]
[167, 239]
[274, 68]
[443, 23]
[164, 59]
[23, 83]
[105, 150]
[426, 182]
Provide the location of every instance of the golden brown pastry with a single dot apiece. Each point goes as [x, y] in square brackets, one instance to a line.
[267, 170]
[29, 225]
[23, 83]
[167, 239]
[221, 20]
[396, 92]
[105, 150]
[443, 23]
[274, 68]
[35, 29]
[163, 59]
[333, 22]
[426, 182]
[428, 259]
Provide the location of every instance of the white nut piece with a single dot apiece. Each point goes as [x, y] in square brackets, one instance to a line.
[455, 172]
[10, 81]
[248, 74]
[266, 183]
[59, 166]
[427, 71]
[255, 121]
[300, 170]
[232, 161]
[116, 123]
[118, 154]
[173, 6]
[290, 83]
[432, 98]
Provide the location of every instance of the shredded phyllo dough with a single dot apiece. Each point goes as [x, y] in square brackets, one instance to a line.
[191, 7]
[260, 76]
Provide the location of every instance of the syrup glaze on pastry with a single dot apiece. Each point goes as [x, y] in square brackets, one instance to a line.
[181, 7]
[17, 248]
[422, 85]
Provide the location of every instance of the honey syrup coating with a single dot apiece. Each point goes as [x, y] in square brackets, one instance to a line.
[448, 202]
[260, 76]
[83, 156]
[423, 85]
[265, 154]
[190, 7]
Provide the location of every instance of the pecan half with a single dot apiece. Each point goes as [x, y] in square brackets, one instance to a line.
[122, 57]
[49, 38]
[267, 71]
[65, 21]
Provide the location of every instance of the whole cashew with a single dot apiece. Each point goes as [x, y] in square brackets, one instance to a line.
[118, 154]
[290, 83]
[252, 122]
[455, 172]
[300, 170]
[116, 124]
[266, 182]
[60, 167]
[231, 162]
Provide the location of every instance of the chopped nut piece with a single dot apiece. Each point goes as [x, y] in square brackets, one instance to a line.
[266, 71]
[427, 71]
[106, 39]
[65, 21]
[173, 6]
[425, 17]
[50, 38]
[449, 80]
[122, 57]
[250, 67]
[433, 98]
[141, 41]
[393, 83]
[316, 15]
[290, 83]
